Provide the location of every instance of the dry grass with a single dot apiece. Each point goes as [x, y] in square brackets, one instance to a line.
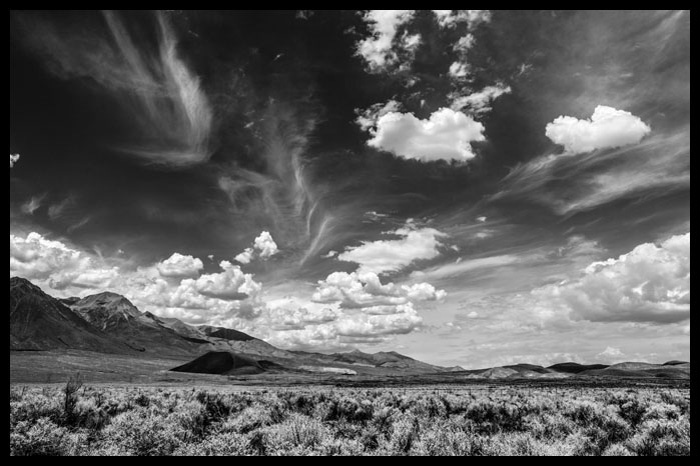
[151, 421]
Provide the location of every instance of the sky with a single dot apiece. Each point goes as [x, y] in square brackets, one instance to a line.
[466, 187]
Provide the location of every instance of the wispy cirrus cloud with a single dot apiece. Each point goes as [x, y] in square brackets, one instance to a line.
[658, 165]
[154, 85]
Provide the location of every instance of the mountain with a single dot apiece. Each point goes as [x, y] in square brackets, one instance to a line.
[190, 332]
[40, 322]
[225, 333]
[118, 317]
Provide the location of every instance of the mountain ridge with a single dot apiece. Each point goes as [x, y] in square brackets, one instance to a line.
[109, 323]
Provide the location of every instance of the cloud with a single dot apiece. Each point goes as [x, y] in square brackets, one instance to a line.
[446, 135]
[246, 257]
[57, 265]
[161, 94]
[451, 18]
[384, 256]
[344, 331]
[464, 44]
[33, 204]
[657, 166]
[479, 102]
[179, 266]
[346, 309]
[264, 247]
[226, 297]
[367, 119]
[294, 314]
[380, 50]
[365, 291]
[607, 128]
[458, 70]
[611, 354]
[651, 283]
[456, 269]
[230, 285]
[13, 159]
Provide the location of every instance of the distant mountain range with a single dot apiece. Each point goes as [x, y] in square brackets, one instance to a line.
[109, 323]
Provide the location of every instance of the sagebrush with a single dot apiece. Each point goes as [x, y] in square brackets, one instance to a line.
[156, 421]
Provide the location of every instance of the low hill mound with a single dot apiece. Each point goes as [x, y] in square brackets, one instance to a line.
[222, 363]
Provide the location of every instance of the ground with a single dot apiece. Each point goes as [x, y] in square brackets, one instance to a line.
[135, 406]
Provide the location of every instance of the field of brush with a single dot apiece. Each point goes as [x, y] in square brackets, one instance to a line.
[76, 419]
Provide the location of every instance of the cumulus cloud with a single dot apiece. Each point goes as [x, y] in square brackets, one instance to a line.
[451, 18]
[458, 70]
[367, 119]
[291, 314]
[479, 102]
[393, 255]
[446, 135]
[346, 309]
[606, 129]
[464, 44]
[365, 290]
[180, 266]
[55, 264]
[13, 159]
[649, 284]
[347, 330]
[380, 49]
[230, 285]
[223, 298]
[264, 247]
[611, 354]
[246, 257]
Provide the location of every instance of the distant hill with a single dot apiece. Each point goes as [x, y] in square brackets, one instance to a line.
[642, 370]
[383, 360]
[575, 368]
[40, 322]
[675, 363]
